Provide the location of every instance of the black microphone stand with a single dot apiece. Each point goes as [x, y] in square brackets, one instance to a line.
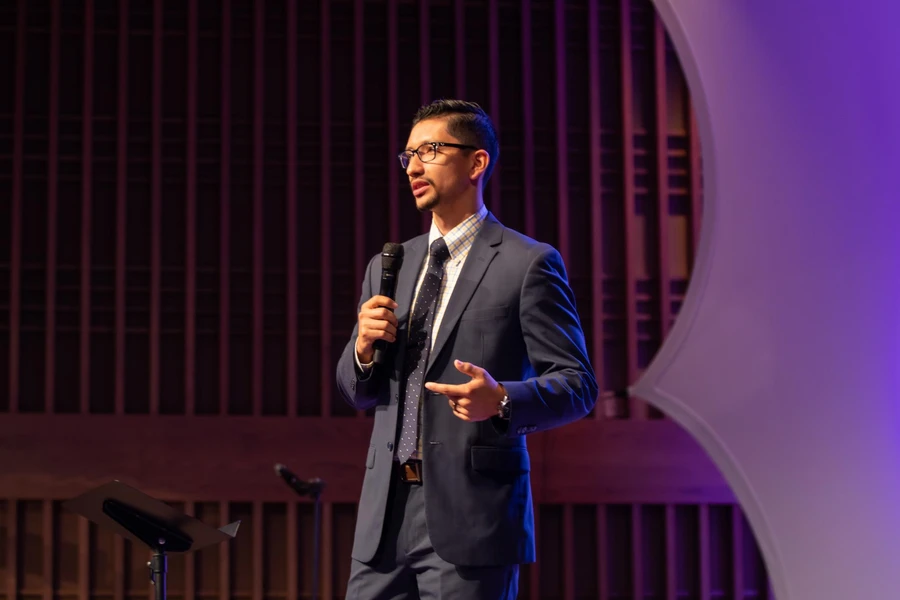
[313, 489]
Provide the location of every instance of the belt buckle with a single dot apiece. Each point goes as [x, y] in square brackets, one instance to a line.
[411, 471]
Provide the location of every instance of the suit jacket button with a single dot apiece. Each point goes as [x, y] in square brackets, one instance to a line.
[390, 446]
[352, 385]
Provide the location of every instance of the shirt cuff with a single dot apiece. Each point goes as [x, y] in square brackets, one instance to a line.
[365, 369]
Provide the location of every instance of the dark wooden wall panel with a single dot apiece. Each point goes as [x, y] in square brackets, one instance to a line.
[190, 192]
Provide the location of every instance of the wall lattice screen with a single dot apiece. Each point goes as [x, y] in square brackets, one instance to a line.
[190, 191]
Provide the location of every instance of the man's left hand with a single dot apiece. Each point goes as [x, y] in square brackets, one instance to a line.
[476, 400]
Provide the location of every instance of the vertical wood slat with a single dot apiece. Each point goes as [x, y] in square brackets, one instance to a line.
[637, 408]
[695, 176]
[87, 165]
[12, 537]
[47, 536]
[424, 51]
[569, 552]
[602, 554]
[671, 553]
[224, 549]
[190, 238]
[291, 215]
[637, 552]
[325, 143]
[459, 19]
[15, 251]
[737, 551]
[52, 199]
[121, 204]
[562, 135]
[118, 567]
[225, 213]
[596, 158]
[292, 555]
[190, 559]
[393, 119]
[527, 121]
[259, 21]
[327, 551]
[534, 572]
[84, 559]
[704, 553]
[359, 140]
[156, 207]
[662, 176]
[425, 72]
[258, 541]
[494, 77]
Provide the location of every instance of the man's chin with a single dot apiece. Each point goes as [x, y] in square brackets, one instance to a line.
[427, 203]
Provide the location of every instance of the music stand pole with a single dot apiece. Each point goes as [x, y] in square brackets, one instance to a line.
[158, 563]
[316, 532]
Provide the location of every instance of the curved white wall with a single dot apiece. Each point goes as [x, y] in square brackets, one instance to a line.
[785, 361]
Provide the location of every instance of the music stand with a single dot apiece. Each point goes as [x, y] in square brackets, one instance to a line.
[145, 520]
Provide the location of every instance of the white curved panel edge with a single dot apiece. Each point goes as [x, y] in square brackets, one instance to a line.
[785, 360]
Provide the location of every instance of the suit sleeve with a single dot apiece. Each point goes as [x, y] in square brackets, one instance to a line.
[359, 389]
[563, 388]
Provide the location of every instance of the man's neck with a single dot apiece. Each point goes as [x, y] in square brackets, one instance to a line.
[448, 219]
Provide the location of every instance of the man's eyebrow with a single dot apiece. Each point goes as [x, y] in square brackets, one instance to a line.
[410, 148]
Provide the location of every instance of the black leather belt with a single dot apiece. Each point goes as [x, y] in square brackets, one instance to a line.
[411, 471]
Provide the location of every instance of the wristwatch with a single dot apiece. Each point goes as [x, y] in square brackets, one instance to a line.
[503, 408]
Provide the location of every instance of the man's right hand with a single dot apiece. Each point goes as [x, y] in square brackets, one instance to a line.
[376, 322]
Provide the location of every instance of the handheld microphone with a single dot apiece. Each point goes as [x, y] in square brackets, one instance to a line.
[312, 487]
[391, 261]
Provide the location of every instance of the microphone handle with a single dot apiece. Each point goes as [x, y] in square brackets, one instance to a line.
[388, 287]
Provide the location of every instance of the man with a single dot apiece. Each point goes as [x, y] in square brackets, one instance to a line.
[484, 346]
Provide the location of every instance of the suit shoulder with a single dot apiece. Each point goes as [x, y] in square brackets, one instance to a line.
[519, 242]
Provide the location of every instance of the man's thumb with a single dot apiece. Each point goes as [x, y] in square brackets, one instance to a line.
[467, 368]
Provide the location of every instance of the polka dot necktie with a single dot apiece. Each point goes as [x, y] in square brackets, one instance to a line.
[419, 346]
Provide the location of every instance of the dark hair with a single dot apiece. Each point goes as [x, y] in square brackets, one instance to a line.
[467, 122]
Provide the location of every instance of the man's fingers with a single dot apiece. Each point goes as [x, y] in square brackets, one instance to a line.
[446, 389]
[459, 411]
[469, 369]
[379, 330]
[376, 325]
[379, 314]
[377, 301]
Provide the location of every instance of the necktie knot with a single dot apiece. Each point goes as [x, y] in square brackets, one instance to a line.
[439, 251]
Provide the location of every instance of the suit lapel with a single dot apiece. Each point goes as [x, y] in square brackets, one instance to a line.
[413, 256]
[484, 248]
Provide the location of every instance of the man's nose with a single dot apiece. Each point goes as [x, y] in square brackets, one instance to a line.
[414, 166]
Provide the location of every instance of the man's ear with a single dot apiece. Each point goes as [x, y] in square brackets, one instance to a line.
[480, 161]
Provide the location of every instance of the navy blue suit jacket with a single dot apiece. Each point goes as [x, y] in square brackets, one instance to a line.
[513, 313]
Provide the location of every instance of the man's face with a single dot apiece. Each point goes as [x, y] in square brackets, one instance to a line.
[447, 176]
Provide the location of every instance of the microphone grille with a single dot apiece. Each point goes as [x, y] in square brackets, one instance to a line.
[392, 256]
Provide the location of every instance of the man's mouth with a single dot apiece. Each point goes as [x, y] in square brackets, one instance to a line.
[419, 187]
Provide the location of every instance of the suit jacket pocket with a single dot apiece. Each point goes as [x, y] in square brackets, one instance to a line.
[370, 458]
[484, 314]
[506, 460]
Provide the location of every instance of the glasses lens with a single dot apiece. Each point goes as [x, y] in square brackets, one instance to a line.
[404, 159]
[427, 152]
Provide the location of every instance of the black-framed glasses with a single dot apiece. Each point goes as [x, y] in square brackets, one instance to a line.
[427, 152]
